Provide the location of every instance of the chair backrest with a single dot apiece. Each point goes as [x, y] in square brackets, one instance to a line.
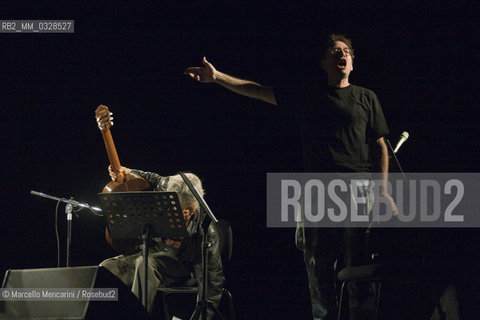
[225, 236]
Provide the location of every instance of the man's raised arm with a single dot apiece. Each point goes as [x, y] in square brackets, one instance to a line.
[248, 88]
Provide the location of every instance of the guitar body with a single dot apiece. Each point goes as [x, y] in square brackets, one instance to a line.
[131, 182]
[123, 183]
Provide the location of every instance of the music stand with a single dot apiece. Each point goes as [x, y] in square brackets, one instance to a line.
[203, 302]
[143, 215]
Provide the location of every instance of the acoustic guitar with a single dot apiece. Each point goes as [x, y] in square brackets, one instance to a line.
[123, 183]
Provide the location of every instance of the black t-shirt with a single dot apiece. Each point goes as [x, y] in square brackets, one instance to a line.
[337, 125]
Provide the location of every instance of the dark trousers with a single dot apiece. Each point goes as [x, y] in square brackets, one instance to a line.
[325, 248]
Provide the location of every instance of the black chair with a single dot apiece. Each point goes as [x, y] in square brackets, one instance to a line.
[384, 273]
[190, 286]
[370, 273]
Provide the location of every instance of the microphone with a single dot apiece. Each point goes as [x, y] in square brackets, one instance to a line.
[403, 137]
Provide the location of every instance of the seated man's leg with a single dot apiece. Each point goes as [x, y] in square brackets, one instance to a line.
[163, 269]
[123, 267]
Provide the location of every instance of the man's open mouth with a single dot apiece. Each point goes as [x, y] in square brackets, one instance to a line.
[342, 63]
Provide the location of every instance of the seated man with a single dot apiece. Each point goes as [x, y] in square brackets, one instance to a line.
[172, 260]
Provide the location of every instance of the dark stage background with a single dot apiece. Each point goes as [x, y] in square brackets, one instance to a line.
[421, 58]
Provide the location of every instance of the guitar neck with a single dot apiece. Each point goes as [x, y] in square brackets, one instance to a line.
[104, 121]
[111, 150]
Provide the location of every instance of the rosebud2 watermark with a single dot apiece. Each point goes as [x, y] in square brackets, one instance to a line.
[354, 200]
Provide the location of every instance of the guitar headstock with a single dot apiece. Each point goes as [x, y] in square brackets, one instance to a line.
[104, 118]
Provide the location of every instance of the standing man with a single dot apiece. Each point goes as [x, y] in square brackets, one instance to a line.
[342, 128]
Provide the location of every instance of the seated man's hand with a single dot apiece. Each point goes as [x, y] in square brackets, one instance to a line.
[120, 174]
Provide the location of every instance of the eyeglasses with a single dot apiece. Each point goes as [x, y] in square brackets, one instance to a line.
[346, 51]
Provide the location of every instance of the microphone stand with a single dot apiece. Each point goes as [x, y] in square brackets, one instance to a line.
[203, 303]
[396, 159]
[69, 208]
[394, 156]
[68, 211]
